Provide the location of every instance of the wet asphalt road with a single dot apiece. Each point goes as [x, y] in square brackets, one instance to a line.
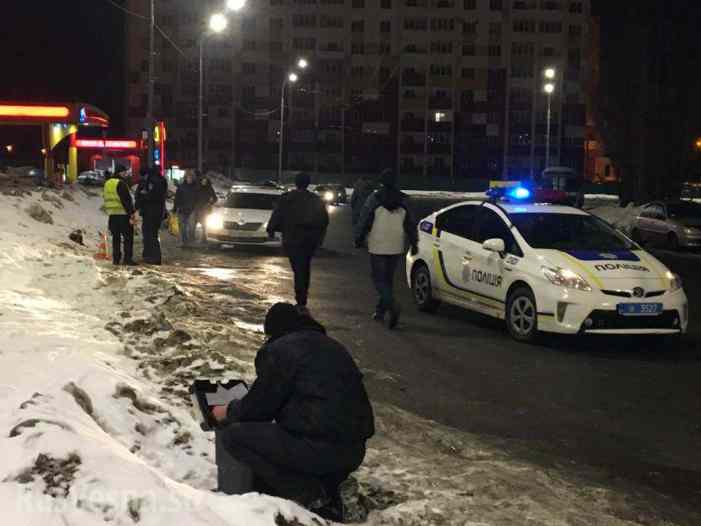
[624, 406]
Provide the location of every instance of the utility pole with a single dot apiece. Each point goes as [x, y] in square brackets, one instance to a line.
[151, 80]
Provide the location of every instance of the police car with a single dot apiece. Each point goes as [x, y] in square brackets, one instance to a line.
[543, 268]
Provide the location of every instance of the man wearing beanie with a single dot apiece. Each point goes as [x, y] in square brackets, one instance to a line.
[302, 218]
[303, 425]
[388, 226]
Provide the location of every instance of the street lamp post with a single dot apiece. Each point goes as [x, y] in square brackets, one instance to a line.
[217, 24]
[549, 89]
[290, 79]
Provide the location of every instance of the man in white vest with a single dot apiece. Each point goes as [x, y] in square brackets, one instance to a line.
[388, 226]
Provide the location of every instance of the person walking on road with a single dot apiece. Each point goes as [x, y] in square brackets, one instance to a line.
[362, 189]
[151, 202]
[303, 426]
[120, 208]
[386, 222]
[302, 218]
[184, 207]
[205, 199]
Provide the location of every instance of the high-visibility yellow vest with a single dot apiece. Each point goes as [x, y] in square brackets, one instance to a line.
[113, 204]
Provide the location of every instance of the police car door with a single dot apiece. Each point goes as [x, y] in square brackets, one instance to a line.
[488, 279]
[454, 250]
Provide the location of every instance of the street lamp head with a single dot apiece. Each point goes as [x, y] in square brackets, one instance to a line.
[218, 23]
[550, 73]
[293, 77]
[549, 88]
[302, 63]
[235, 5]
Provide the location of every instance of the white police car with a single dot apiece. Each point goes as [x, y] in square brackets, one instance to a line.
[543, 268]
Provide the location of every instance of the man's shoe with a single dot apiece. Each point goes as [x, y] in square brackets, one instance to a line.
[394, 315]
[333, 510]
[378, 316]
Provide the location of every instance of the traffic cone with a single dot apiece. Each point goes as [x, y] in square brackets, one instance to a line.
[102, 248]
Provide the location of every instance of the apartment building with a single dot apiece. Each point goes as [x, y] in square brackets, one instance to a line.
[435, 88]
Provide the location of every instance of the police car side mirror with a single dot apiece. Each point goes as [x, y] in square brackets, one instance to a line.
[494, 245]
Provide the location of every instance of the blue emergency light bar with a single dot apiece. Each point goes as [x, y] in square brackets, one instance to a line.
[513, 193]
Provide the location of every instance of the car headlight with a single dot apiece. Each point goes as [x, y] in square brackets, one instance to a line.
[328, 197]
[692, 231]
[215, 221]
[675, 281]
[566, 278]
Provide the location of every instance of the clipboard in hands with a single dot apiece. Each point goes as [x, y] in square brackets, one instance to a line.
[206, 394]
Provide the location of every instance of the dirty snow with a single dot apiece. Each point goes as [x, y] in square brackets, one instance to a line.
[98, 427]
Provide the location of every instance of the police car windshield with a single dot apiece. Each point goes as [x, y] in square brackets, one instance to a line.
[568, 232]
[248, 201]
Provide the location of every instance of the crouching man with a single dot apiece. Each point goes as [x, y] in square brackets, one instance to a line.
[303, 425]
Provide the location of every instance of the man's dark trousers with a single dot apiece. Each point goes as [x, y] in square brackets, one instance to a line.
[121, 230]
[287, 465]
[300, 257]
[152, 217]
[383, 269]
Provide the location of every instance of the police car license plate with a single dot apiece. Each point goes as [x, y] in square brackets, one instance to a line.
[640, 309]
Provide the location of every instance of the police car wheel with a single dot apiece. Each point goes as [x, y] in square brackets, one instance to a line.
[522, 315]
[423, 292]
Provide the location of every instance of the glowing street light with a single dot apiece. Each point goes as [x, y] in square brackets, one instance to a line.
[10, 148]
[218, 23]
[235, 5]
[698, 144]
[550, 73]
[293, 77]
[549, 88]
[302, 63]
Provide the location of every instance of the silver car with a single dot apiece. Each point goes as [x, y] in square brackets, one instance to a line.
[673, 224]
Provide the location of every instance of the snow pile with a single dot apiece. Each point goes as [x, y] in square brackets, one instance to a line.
[87, 438]
[621, 218]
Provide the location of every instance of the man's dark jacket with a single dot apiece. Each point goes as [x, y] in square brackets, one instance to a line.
[151, 195]
[309, 385]
[205, 196]
[185, 198]
[302, 218]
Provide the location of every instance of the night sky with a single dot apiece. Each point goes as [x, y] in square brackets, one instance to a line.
[55, 50]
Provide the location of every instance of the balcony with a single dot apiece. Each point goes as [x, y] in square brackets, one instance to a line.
[440, 103]
[413, 79]
[413, 125]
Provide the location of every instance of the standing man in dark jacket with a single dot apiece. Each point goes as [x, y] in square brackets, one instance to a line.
[388, 225]
[303, 425]
[362, 189]
[184, 207]
[151, 203]
[302, 218]
[120, 208]
[205, 200]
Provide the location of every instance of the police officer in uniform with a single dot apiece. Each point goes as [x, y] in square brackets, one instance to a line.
[151, 203]
[120, 208]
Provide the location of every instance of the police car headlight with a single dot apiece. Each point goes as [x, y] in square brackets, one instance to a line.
[692, 231]
[566, 278]
[675, 281]
[215, 221]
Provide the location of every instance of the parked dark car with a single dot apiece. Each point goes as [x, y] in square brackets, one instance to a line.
[332, 194]
[92, 178]
[674, 224]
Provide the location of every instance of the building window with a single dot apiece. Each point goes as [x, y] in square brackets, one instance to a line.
[385, 26]
[469, 5]
[249, 68]
[331, 21]
[304, 20]
[357, 48]
[551, 27]
[549, 52]
[441, 70]
[358, 26]
[249, 45]
[495, 29]
[308, 44]
[522, 49]
[576, 7]
[442, 24]
[442, 48]
[276, 24]
[358, 4]
[494, 51]
[416, 24]
[495, 5]
[575, 31]
[276, 47]
[550, 5]
[468, 73]
[386, 4]
[469, 28]
[468, 50]
[524, 26]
